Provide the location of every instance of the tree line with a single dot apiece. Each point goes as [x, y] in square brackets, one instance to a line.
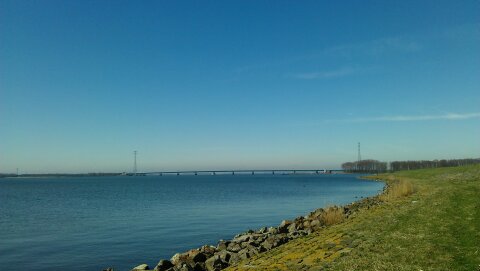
[366, 166]
[369, 166]
[409, 165]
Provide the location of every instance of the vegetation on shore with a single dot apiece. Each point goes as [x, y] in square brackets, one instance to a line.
[429, 220]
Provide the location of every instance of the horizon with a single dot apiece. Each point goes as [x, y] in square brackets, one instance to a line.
[235, 85]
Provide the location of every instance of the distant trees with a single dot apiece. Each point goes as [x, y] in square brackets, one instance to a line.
[366, 166]
[409, 165]
[370, 166]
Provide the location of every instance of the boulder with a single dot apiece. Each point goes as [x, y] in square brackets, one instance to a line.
[283, 228]
[208, 250]
[141, 267]
[272, 230]
[242, 238]
[225, 256]
[199, 267]
[244, 254]
[234, 247]
[163, 265]
[180, 259]
[199, 257]
[215, 263]
[263, 230]
[234, 258]
[222, 245]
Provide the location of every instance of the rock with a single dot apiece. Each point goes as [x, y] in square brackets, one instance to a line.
[215, 263]
[234, 247]
[108, 269]
[273, 230]
[242, 238]
[283, 228]
[222, 245]
[263, 230]
[306, 224]
[234, 258]
[185, 267]
[224, 256]
[292, 227]
[199, 267]
[244, 254]
[208, 250]
[180, 259]
[200, 257]
[314, 223]
[163, 265]
[141, 267]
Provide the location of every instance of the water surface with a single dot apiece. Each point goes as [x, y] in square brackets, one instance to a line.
[90, 223]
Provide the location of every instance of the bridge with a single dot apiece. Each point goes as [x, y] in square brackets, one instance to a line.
[243, 171]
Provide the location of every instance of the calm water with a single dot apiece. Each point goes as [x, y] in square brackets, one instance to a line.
[93, 223]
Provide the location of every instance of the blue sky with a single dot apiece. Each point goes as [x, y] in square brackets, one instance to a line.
[235, 84]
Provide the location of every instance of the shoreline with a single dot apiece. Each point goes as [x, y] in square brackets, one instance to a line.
[250, 243]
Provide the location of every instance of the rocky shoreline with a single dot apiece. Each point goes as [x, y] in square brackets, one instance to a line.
[250, 243]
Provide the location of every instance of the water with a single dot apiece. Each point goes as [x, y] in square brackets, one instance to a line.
[95, 222]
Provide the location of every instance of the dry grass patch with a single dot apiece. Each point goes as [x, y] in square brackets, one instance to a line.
[397, 189]
[332, 215]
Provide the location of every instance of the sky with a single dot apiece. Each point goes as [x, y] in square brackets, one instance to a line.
[197, 85]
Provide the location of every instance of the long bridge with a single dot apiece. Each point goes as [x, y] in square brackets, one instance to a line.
[243, 171]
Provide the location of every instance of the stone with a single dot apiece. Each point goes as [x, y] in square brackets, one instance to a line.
[292, 227]
[163, 265]
[273, 230]
[234, 247]
[283, 228]
[208, 250]
[314, 223]
[185, 267]
[224, 256]
[234, 258]
[215, 263]
[199, 257]
[244, 254]
[199, 267]
[222, 245]
[263, 230]
[242, 238]
[141, 267]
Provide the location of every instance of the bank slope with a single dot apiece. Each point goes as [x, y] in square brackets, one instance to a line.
[435, 228]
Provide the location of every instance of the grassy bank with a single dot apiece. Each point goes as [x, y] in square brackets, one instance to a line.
[437, 227]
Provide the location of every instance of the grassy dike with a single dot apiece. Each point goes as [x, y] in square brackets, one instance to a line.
[435, 228]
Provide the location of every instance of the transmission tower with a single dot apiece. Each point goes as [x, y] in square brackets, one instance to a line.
[359, 158]
[134, 163]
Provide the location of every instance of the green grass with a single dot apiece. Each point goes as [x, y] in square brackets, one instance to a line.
[435, 228]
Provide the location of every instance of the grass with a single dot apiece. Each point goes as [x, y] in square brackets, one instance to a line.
[332, 215]
[397, 189]
[430, 220]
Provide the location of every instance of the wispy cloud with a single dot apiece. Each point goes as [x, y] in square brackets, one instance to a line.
[324, 74]
[400, 118]
[376, 47]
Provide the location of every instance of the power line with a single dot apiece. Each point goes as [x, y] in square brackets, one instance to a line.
[134, 163]
[359, 158]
